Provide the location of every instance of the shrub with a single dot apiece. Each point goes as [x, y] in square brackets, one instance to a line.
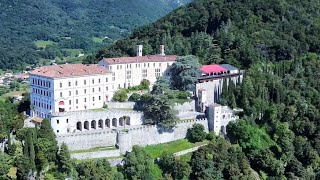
[121, 95]
[145, 84]
[183, 95]
[196, 133]
[210, 136]
[105, 106]
[134, 97]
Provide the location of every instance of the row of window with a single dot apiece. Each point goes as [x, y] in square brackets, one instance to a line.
[138, 65]
[85, 91]
[84, 82]
[41, 105]
[84, 100]
[41, 92]
[40, 82]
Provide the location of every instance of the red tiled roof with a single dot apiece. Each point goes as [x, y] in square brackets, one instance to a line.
[69, 70]
[212, 69]
[153, 58]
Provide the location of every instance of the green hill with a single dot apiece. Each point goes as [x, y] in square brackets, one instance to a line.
[235, 32]
[72, 24]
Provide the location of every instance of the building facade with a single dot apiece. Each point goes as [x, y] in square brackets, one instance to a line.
[209, 85]
[77, 87]
[69, 87]
[219, 117]
[130, 71]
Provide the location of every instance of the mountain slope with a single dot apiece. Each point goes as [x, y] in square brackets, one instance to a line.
[24, 21]
[235, 32]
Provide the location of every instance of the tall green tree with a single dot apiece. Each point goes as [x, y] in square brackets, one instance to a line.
[185, 72]
[64, 160]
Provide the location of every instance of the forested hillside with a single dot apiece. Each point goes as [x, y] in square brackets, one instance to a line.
[277, 42]
[69, 24]
[235, 32]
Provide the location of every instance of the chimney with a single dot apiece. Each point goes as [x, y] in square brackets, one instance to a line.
[162, 50]
[139, 50]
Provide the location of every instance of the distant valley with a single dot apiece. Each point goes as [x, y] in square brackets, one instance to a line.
[60, 30]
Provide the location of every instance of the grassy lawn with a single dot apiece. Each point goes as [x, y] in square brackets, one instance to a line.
[94, 149]
[43, 44]
[97, 39]
[171, 147]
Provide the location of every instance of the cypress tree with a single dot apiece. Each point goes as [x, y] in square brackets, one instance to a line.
[31, 149]
[64, 160]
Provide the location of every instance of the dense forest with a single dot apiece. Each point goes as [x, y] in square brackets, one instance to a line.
[69, 24]
[235, 32]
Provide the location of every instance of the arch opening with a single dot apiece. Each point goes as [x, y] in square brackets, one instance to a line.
[107, 123]
[79, 126]
[100, 124]
[114, 122]
[86, 125]
[121, 121]
[94, 124]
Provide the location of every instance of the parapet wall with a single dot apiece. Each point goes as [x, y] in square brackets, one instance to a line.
[88, 140]
[139, 135]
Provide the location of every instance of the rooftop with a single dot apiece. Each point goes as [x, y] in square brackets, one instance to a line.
[228, 67]
[69, 70]
[137, 59]
[213, 68]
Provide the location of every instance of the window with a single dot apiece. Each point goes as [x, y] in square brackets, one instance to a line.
[69, 93]
[110, 68]
[69, 83]
[67, 120]
[85, 91]
[99, 81]
[92, 81]
[107, 88]
[93, 90]
[99, 89]
[85, 99]
[128, 74]
[76, 101]
[76, 83]
[119, 86]
[144, 73]
[159, 64]
[154, 64]
[57, 131]
[106, 79]
[60, 94]
[57, 121]
[60, 85]
[84, 82]
[157, 72]
[76, 92]
[92, 98]
[117, 66]
[99, 97]
[113, 76]
[69, 102]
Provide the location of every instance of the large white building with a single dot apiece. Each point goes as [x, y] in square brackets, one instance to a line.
[76, 87]
[130, 71]
[69, 87]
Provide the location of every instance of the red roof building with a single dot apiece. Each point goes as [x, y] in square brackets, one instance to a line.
[69, 70]
[213, 68]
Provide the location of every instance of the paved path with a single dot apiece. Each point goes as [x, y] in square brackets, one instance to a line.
[115, 162]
